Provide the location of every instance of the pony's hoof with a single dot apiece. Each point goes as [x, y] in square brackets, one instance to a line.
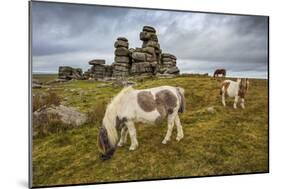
[179, 138]
[164, 141]
[132, 148]
[120, 144]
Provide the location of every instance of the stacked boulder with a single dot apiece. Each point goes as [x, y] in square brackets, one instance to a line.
[145, 60]
[121, 65]
[98, 68]
[168, 64]
[68, 73]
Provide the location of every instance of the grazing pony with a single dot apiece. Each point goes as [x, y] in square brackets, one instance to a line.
[146, 106]
[220, 72]
[236, 89]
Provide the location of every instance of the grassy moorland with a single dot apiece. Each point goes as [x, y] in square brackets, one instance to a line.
[225, 141]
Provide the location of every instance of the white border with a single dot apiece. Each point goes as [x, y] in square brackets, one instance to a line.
[14, 92]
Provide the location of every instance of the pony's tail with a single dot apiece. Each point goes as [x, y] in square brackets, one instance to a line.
[182, 99]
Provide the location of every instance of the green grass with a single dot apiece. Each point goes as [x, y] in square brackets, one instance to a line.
[225, 142]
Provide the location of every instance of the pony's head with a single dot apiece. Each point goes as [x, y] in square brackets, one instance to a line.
[108, 136]
[104, 146]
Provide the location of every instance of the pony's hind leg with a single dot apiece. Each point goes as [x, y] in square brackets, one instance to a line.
[223, 97]
[179, 128]
[133, 135]
[123, 138]
[171, 121]
[243, 103]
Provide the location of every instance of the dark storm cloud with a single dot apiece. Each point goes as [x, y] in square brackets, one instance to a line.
[66, 34]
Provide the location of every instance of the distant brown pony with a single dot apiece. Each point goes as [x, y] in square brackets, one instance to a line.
[219, 72]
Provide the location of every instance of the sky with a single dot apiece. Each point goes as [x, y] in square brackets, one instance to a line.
[71, 35]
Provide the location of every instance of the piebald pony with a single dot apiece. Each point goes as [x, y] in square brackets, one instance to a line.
[236, 89]
[146, 106]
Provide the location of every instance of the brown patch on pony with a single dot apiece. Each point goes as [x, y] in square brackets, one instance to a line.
[224, 87]
[243, 87]
[182, 101]
[146, 101]
[166, 101]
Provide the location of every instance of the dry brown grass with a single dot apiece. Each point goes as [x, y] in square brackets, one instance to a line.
[45, 100]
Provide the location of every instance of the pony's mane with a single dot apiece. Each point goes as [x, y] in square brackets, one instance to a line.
[109, 119]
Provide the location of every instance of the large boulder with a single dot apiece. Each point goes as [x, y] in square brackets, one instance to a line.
[121, 51]
[149, 29]
[139, 56]
[172, 70]
[67, 115]
[122, 39]
[141, 67]
[68, 73]
[167, 55]
[97, 62]
[123, 59]
[121, 43]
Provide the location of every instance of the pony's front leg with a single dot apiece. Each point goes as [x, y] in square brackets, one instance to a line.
[171, 121]
[223, 99]
[133, 135]
[236, 99]
[243, 103]
[179, 128]
[123, 138]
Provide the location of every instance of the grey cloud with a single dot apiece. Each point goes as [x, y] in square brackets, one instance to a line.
[202, 42]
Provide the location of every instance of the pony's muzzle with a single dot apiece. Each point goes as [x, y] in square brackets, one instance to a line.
[107, 155]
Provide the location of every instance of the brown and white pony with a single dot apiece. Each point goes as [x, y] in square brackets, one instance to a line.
[220, 73]
[146, 106]
[236, 89]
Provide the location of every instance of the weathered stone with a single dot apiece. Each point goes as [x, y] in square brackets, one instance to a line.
[66, 115]
[36, 86]
[118, 74]
[124, 59]
[139, 61]
[121, 51]
[120, 43]
[121, 67]
[169, 63]
[122, 39]
[152, 44]
[67, 72]
[172, 70]
[168, 60]
[167, 55]
[141, 67]
[139, 57]
[97, 61]
[145, 36]
[151, 58]
[149, 50]
[149, 29]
